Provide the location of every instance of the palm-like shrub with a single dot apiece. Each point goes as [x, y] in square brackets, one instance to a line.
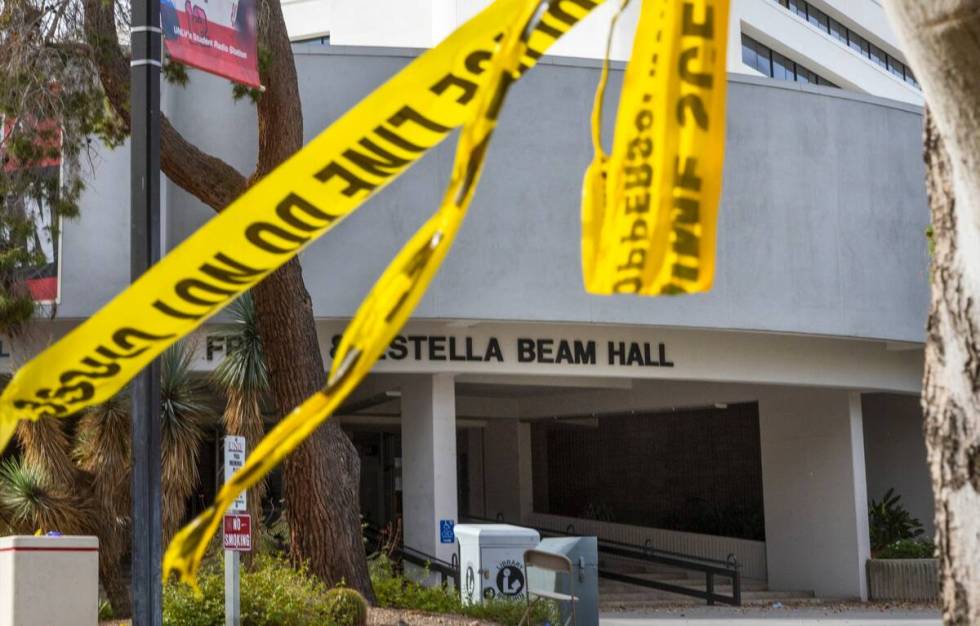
[102, 448]
[183, 409]
[890, 521]
[29, 502]
[243, 376]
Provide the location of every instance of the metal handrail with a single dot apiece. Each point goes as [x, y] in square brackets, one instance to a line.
[446, 571]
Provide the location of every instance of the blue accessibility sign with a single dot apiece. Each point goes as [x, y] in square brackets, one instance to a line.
[446, 531]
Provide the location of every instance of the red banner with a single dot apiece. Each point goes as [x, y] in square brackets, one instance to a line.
[217, 36]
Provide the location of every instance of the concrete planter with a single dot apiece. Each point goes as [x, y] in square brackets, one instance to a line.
[903, 579]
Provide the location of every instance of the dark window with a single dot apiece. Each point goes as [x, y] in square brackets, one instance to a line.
[819, 19]
[859, 43]
[782, 68]
[756, 55]
[804, 75]
[896, 67]
[878, 56]
[910, 77]
[838, 31]
[798, 7]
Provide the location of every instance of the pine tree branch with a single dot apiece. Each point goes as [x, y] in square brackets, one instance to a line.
[207, 177]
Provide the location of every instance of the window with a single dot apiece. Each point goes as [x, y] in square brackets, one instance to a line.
[859, 43]
[775, 65]
[848, 37]
[878, 56]
[782, 68]
[896, 67]
[819, 19]
[838, 31]
[756, 55]
[798, 7]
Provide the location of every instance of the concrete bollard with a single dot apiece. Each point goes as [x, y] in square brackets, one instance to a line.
[49, 581]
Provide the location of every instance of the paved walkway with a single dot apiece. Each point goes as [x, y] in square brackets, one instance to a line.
[806, 616]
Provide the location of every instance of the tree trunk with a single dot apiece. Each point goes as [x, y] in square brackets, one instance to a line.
[942, 41]
[321, 478]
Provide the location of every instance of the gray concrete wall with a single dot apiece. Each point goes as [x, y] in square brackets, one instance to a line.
[814, 492]
[895, 453]
[821, 231]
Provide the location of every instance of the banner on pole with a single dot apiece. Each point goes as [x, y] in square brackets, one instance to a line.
[217, 36]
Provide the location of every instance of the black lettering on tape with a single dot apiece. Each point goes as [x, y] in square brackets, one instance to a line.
[695, 105]
[690, 28]
[686, 242]
[186, 288]
[261, 234]
[103, 370]
[233, 272]
[408, 114]
[684, 272]
[628, 285]
[382, 163]
[688, 210]
[467, 87]
[687, 179]
[700, 79]
[293, 202]
[355, 183]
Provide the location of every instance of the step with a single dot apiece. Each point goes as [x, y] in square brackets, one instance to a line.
[660, 598]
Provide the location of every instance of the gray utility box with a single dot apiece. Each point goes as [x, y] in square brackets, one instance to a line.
[583, 552]
[491, 558]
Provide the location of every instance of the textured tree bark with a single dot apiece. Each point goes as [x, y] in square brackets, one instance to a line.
[322, 476]
[942, 41]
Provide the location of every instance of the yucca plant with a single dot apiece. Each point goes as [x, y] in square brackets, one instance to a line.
[243, 376]
[102, 448]
[30, 503]
[183, 410]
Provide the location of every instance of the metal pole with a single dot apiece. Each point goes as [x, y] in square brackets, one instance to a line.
[233, 610]
[144, 252]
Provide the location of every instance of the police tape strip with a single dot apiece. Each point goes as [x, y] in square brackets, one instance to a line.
[270, 223]
[650, 207]
[386, 308]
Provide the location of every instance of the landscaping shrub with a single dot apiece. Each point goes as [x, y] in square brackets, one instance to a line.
[346, 607]
[890, 521]
[397, 592]
[274, 593]
[908, 549]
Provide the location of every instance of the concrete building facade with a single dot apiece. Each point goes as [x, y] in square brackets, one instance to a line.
[790, 390]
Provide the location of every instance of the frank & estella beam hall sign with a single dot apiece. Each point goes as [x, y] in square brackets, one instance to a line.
[524, 350]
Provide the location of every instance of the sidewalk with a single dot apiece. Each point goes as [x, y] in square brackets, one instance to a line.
[788, 616]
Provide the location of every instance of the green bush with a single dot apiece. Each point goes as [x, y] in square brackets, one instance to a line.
[890, 521]
[346, 607]
[908, 549]
[397, 592]
[273, 594]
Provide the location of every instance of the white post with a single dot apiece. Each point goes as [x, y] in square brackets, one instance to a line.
[233, 611]
[234, 453]
[429, 463]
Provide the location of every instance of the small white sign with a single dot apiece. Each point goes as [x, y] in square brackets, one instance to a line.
[234, 460]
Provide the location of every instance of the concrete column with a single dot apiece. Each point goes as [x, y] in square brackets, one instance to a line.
[815, 491]
[429, 462]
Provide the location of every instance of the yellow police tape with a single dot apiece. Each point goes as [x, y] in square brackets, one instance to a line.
[649, 209]
[386, 308]
[659, 187]
[270, 223]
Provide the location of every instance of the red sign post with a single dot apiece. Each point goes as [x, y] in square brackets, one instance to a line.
[238, 532]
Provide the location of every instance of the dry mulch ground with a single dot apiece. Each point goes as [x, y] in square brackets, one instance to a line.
[392, 617]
